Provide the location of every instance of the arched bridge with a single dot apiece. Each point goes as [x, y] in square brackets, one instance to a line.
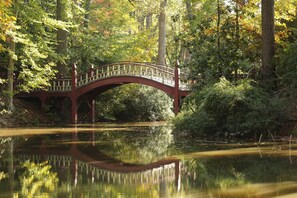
[86, 86]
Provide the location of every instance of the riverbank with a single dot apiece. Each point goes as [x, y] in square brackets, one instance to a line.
[24, 114]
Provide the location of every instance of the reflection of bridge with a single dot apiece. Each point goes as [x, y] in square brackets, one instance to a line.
[100, 167]
[146, 174]
[86, 86]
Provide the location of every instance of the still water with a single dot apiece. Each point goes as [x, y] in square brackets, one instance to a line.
[140, 160]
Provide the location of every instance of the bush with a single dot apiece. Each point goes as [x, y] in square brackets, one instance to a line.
[287, 70]
[134, 103]
[231, 109]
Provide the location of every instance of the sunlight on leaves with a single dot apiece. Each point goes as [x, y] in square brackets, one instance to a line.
[38, 180]
[2, 175]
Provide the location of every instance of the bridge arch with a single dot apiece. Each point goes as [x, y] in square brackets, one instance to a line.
[111, 82]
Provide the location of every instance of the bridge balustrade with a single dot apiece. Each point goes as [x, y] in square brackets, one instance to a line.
[157, 73]
[60, 85]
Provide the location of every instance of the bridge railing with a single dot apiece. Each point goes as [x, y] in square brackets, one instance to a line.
[151, 71]
[159, 73]
[60, 85]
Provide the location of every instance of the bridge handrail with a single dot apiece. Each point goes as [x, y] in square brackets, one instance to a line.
[60, 84]
[152, 71]
[165, 67]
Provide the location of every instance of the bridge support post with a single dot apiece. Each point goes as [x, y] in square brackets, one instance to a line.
[42, 103]
[176, 89]
[92, 110]
[73, 95]
[73, 111]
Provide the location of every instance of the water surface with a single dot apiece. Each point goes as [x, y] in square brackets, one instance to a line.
[140, 160]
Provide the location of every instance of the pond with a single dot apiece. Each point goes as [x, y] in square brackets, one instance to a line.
[140, 160]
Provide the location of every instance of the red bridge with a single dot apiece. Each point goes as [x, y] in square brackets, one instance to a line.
[87, 86]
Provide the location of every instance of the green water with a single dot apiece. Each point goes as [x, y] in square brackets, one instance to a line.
[140, 160]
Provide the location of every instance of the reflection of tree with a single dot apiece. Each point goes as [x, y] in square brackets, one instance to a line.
[6, 154]
[2, 175]
[4, 141]
[150, 145]
[221, 173]
[38, 180]
[211, 173]
[109, 190]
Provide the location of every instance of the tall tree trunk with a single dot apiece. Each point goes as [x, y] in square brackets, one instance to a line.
[268, 67]
[237, 37]
[184, 52]
[61, 37]
[86, 26]
[149, 20]
[189, 9]
[162, 34]
[87, 15]
[219, 37]
[10, 68]
[140, 20]
[10, 78]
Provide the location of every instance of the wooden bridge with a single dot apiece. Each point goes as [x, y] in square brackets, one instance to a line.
[87, 86]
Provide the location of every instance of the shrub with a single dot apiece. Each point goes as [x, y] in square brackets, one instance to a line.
[134, 103]
[287, 70]
[240, 109]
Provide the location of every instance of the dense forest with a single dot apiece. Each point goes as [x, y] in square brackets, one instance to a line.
[240, 54]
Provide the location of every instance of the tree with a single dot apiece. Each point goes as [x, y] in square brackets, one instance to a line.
[62, 35]
[162, 33]
[87, 13]
[10, 74]
[10, 68]
[268, 42]
[220, 72]
[7, 25]
[6, 22]
[35, 43]
[29, 47]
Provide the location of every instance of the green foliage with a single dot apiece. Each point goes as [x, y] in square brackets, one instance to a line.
[235, 174]
[211, 175]
[225, 108]
[149, 146]
[108, 36]
[134, 103]
[287, 70]
[218, 50]
[6, 22]
[2, 175]
[35, 38]
[231, 48]
[38, 180]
